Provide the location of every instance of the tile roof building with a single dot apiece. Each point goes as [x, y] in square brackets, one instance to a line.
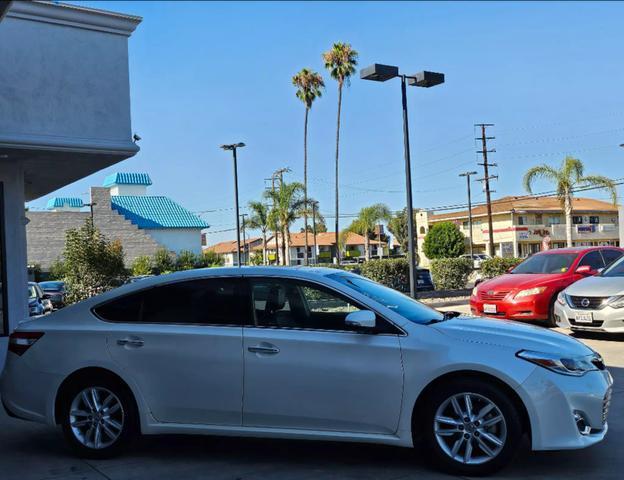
[123, 211]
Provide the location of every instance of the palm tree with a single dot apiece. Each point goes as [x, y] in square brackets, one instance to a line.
[367, 220]
[259, 220]
[566, 179]
[287, 207]
[309, 87]
[341, 61]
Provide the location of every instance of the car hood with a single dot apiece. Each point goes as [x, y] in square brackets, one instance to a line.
[597, 287]
[518, 281]
[506, 333]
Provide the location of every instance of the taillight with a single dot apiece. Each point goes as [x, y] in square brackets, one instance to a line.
[19, 342]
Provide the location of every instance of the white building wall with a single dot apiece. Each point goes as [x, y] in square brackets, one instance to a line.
[177, 239]
[135, 190]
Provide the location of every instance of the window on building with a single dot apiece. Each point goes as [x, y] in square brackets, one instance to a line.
[594, 219]
[554, 220]
[538, 219]
[4, 314]
[214, 301]
[577, 219]
[523, 220]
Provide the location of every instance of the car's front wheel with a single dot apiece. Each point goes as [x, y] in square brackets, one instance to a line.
[99, 418]
[471, 427]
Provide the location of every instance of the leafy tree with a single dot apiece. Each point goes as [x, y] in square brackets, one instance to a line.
[341, 61]
[287, 207]
[317, 218]
[92, 263]
[566, 178]
[444, 240]
[259, 220]
[186, 260]
[309, 87]
[367, 220]
[142, 265]
[57, 270]
[163, 261]
[212, 259]
[256, 258]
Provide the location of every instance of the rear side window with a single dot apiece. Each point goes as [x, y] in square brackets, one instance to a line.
[215, 301]
[611, 256]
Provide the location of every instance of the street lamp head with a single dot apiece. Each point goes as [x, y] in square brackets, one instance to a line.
[466, 174]
[379, 73]
[426, 79]
[232, 146]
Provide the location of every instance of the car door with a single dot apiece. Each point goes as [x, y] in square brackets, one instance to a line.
[305, 369]
[182, 345]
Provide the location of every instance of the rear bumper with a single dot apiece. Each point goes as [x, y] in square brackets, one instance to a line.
[528, 308]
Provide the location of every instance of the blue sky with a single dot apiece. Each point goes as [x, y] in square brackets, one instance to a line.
[550, 76]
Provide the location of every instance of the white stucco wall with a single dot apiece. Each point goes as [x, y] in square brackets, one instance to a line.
[178, 239]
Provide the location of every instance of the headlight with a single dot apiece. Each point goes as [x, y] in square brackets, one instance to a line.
[530, 291]
[575, 366]
[561, 298]
[616, 302]
[474, 291]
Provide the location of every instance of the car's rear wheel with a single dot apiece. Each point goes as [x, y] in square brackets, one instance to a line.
[471, 427]
[99, 417]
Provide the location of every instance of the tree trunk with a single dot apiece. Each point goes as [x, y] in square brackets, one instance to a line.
[366, 246]
[337, 152]
[568, 217]
[284, 258]
[287, 241]
[264, 248]
[305, 185]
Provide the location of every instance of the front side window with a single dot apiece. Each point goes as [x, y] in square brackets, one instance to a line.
[214, 301]
[546, 263]
[593, 259]
[286, 303]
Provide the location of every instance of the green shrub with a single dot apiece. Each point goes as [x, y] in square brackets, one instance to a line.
[444, 240]
[391, 272]
[493, 267]
[57, 270]
[141, 265]
[163, 262]
[450, 273]
[187, 260]
[212, 259]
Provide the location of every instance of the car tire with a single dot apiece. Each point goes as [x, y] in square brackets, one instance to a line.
[490, 423]
[99, 427]
[551, 322]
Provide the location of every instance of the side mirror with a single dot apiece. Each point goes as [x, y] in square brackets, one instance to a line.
[361, 319]
[585, 270]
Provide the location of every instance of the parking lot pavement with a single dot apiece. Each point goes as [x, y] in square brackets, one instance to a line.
[29, 451]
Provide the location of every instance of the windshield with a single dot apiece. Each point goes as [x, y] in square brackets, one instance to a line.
[615, 270]
[546, 263]
[51, 285]
[32, 292]
[402, 304]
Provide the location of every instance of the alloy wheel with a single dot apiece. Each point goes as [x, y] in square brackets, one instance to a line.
[470, 428]
[96, 417]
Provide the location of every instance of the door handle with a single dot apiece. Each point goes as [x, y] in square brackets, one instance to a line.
[132, 342]
[268, 350]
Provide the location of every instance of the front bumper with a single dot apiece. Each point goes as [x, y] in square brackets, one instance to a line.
[607, 319]
[555, 398]
[527, 308]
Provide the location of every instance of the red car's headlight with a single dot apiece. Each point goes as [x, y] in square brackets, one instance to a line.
[530, 291]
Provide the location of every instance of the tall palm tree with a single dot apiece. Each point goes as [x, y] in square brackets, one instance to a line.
[367, 220]
[259, 220]
[287, 207]
[566, 178]
[309, 87]
[341, 61]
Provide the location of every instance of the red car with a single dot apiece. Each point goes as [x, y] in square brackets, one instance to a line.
[528, 292]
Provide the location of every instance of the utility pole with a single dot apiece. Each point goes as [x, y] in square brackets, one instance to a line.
[245, 254]
[486, 179]
[467, 175]
[272, 179]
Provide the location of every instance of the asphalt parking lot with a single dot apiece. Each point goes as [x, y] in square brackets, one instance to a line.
[30, 451]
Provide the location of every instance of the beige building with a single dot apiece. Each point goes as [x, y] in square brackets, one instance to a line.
[524, 225]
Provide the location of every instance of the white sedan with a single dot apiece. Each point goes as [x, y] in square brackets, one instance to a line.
[302, 353]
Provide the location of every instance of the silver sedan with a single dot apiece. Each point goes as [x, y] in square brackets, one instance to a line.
[302, 353]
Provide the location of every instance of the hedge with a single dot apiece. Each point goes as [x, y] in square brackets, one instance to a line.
[450, 273]
[391, 272]
[493, 267]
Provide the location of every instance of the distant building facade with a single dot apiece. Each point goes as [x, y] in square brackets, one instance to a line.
[122, 211]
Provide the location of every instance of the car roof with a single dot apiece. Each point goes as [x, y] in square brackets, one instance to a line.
[576, 250]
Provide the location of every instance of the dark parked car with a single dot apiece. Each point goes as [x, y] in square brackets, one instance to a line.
[55, 291]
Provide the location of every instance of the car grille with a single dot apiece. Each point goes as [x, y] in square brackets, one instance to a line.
[491, 295]
[606, 403]
[586, 303]
[594, 323]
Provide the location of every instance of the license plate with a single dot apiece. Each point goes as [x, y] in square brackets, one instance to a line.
[420, 281]
[584, 318]
[489, 308]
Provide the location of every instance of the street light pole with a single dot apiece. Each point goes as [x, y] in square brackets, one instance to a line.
[380, 73]
[467, 175]
[233, 148]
